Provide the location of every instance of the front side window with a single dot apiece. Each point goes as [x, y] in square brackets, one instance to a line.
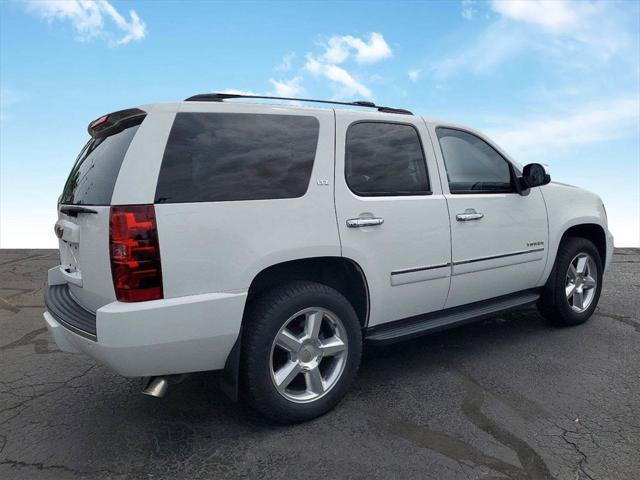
[214, 157]
[473, 166]
[385, 159]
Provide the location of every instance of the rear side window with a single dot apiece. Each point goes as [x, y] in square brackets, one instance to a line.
[94, 174]
[473, 166]
[385, 159]
[236, 156]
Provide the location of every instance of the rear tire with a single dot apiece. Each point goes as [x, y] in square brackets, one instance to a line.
[301, 350]
[573, 289]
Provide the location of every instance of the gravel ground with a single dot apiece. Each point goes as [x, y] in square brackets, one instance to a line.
[510, 397]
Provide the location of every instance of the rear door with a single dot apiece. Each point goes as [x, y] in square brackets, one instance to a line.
[83, 218]
[392, 216]
[499, 237]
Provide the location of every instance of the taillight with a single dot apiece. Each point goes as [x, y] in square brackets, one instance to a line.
[135, 253]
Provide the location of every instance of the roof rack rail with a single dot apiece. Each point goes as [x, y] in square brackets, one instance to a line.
[219, 97]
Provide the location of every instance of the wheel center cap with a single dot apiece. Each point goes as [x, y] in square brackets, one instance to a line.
[310, 354]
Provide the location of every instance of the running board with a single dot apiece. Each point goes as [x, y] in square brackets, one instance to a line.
[451, 317]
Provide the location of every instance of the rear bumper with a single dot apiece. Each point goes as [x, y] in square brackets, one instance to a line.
[65, 310]
[160, 337]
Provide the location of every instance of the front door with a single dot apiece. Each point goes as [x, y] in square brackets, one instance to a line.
[391, 213]
[499, 237]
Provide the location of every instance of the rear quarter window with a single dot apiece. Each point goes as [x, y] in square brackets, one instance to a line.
[235, 156]
[95, 172]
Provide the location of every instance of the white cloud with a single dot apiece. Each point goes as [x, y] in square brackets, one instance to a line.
[554, 15]
[285, 65]
[468, 9]
[498, 43]
[237, 92]
[288, 88]
[564, 34]
[336, 50]
[91, 19]
[281, 88]
[597, 30]
[414, 74]
[598, 122]
[339, 48]
[347, 84]
[332, 63]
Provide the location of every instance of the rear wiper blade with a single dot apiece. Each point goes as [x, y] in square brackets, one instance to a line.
[74, 210]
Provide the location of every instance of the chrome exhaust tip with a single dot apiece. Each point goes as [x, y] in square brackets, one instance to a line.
[156, 387]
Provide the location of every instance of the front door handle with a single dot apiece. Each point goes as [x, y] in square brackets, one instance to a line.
[469, 214]
[364, 222]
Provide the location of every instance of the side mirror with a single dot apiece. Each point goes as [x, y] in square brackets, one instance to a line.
[535, 175]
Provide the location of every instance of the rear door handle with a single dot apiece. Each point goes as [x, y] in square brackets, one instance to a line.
[469, 214]
[364, 222]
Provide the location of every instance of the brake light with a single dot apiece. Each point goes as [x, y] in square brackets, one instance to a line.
[135, 253]
[115, 122]
[99, 121]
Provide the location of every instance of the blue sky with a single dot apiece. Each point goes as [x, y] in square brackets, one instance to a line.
[554, 82]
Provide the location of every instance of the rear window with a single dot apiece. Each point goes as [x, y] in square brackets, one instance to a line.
[385, 159]
[94, 174]
[236, 156]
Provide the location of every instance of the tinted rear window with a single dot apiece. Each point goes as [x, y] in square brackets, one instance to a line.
[236, 156]
[385, 159]
[94, 174]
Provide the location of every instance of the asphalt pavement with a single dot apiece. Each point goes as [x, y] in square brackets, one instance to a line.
[509, 397]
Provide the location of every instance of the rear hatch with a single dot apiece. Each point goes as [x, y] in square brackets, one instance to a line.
[83, 208]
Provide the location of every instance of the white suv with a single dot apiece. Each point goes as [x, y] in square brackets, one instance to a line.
[271, 241]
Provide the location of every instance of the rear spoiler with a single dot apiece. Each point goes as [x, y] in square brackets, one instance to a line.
[115, 122]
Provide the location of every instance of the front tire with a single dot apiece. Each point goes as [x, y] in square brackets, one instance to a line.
[573, 289]
[301, 350]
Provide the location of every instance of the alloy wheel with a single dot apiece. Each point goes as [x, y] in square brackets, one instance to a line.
[308, 355]
[581, 282]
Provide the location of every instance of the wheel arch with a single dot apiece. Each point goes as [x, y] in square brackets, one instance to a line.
[341, 273]
[592, 232]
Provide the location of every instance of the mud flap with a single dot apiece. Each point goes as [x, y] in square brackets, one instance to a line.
[229, 383]
[548, 297]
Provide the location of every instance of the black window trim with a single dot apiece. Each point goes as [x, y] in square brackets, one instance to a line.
[427, 192]
[512, 171]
